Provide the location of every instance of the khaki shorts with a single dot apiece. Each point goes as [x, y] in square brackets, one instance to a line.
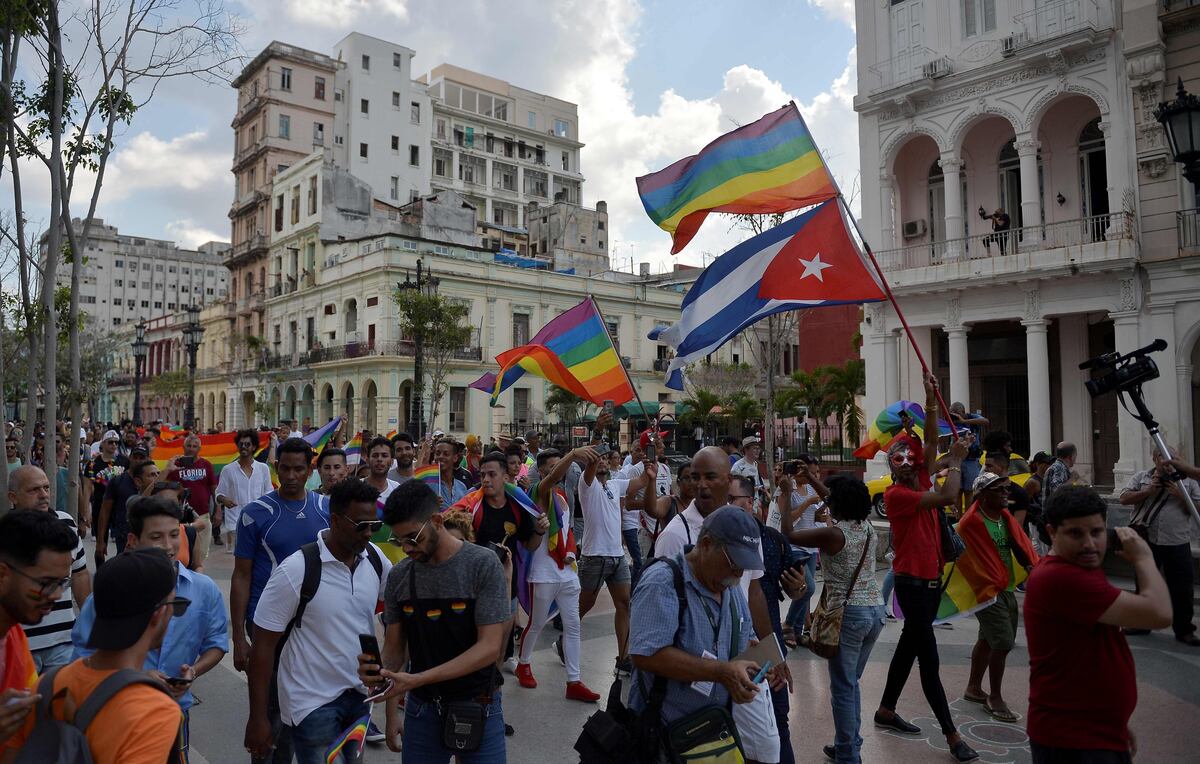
[998, 622]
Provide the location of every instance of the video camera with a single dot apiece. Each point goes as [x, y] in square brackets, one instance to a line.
[1128, 372]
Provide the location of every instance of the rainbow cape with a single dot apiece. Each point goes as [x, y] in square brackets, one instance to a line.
[771, 165]
[473, 504]
[573, 351]
[354, 735]
[972, 582]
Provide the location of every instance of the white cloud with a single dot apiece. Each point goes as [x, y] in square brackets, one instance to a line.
[842, 10]
[186, 233]
[186, 162]
[329, 13]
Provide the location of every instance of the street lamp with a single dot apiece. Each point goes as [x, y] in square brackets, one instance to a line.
[428, 286]
[139, 356]
[193, 332]
[1181, 121]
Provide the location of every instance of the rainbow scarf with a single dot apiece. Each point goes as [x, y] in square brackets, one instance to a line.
[473, 504]
[354, 736]
[972, 582]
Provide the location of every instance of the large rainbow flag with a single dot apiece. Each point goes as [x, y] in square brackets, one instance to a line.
[573, 351]
[771, 165]
[219, 449]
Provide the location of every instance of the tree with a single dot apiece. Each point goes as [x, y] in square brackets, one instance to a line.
[438, 324]
[565, 405]
[843, 386]
[810, 391]
[743, 408]
[724, 380]
[699, 407]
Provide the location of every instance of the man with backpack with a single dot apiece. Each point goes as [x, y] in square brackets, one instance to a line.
[103, 708]
[314, 608]
[197, 640]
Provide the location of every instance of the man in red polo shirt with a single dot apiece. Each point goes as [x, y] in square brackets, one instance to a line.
[913, 507]
[1082, 681]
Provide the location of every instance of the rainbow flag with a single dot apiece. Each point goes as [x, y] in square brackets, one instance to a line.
[574, 351]
[320, 438]
[219, 449]
[560, 537]
[391, 434]
[473, 503]
[355, 735]
[767, 166]
[354, 449]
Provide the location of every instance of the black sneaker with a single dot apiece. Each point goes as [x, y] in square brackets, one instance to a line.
[830, 752]
[963, 752]
[509, 731]
[897, 724]
[217, 541]
[374, 734]
[558, 648]
[558, 622]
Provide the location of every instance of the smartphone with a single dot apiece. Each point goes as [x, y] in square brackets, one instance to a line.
[178, 681]
[609, 408]
[501, 551]
[799, 566]
[603, 449]
[184, 462]
[791, 468]
[1114, 541]
[369, 645]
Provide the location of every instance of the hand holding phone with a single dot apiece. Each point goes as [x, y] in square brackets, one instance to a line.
[369, 646]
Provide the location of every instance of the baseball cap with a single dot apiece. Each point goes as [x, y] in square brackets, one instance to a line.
[531, 435]
[644, 440]
[750, 440]
[1041, 457]
[519, 440]
[126, 591]
[985, 481]
[111, 435]
[738, 533]
[139, 449]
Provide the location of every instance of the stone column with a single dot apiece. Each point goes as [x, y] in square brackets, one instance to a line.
[1116, 170]
[1162, 394]
[1075, 404]
[887, 219]
[1130, 432]
[952, 172]
[1031, 202]
[1185, 439]
[960, 372]
[1038, 373]
[891, 365]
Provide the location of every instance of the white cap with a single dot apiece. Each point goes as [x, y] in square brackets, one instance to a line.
[110, 435]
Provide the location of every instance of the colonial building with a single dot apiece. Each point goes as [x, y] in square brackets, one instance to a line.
[1038, 112]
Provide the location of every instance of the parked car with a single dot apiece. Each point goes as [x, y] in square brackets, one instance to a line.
[1018, 472]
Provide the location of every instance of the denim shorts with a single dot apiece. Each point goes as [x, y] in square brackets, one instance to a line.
[596, 571]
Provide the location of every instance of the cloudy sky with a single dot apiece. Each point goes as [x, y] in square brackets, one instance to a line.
[654, 79]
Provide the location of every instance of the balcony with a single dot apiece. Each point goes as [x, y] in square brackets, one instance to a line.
[246, 247]
[246, 201]
[1063, 26]
[250, 303]
[915, 69]
[401, 348]
[1187, 223]
[1065, 244]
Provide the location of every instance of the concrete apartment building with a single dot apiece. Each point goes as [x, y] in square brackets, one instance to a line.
[569, 235]
[1044, 109]
[127, 279]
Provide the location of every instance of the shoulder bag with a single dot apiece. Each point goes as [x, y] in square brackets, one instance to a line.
[825, 632]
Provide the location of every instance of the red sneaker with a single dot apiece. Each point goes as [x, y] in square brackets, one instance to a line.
[525, 676]
[580, 691]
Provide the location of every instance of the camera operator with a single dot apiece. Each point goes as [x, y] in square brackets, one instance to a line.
[1082, 682]
[1163, 518]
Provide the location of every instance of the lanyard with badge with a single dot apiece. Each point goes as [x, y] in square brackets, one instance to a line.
[706, 688]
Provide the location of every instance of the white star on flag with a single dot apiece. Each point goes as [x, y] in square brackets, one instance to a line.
[814, 267]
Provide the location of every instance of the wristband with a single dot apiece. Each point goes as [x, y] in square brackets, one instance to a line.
[954, 469]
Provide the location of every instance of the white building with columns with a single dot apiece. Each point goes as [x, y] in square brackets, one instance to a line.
[1042, 109]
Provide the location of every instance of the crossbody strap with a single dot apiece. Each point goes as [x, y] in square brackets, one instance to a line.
[1148, 511]
[858, 569]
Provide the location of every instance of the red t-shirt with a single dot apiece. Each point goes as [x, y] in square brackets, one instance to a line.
[916, 538]
[201, 478]
[1082, 685]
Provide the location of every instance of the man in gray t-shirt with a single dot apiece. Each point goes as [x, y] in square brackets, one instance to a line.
[447, 601]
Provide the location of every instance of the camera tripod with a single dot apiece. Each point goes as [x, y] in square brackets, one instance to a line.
[1144, 416]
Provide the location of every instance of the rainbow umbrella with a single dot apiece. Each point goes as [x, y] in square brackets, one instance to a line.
[887, 425]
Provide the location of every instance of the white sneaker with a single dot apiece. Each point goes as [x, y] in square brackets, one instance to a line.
[510, 666]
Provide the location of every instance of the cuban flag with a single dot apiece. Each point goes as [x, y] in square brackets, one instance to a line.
[807, 262]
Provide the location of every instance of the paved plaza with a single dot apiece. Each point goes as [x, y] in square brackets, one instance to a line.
[1166, 720]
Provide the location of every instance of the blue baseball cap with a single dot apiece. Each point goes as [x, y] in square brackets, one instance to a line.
[738, 533]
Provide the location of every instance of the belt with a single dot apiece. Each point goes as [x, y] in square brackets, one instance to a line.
[925, 583]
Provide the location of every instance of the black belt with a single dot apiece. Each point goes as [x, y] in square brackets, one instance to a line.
[924, 583]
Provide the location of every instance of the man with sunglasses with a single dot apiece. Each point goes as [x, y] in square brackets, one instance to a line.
[132, 607]
[35, 566]
[197, 638]
[271, 529]
[320, 694]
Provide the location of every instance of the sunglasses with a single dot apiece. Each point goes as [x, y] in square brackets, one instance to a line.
[363, 525]
[413, 540]
[179, 606]
[47, 587]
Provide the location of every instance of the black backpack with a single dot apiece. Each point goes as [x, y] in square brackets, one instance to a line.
[312, 581]
[54, 741]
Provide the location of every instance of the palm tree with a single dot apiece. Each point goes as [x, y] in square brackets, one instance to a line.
[742, 408]
[845, 384]
[699, 407]
[565, 404]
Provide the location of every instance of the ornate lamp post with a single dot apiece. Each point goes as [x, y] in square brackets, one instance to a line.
[140, 348]
[1181, 121]
[193, 333]
[428, 286]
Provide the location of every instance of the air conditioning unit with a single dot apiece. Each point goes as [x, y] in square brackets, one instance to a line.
[627, 362]
[662, 364]
[914, 229]
[1009, 45]
[938, 67]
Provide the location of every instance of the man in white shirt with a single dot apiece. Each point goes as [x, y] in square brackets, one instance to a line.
[603, 561]
[318, 699]
[240, 483]
[553, 580]
[379, 461]
[749, 466]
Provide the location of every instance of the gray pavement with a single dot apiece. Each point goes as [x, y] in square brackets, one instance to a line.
[1166, 720]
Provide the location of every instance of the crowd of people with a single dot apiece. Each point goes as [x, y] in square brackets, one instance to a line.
[429, 569]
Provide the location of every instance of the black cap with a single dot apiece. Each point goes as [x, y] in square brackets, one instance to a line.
[139, 450]
[126, 591]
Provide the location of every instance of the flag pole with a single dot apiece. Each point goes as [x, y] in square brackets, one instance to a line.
[887, 290]
[636, 395]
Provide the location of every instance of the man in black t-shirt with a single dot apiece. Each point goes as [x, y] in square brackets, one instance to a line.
[501, 521]
[100, 471]
[112, 520]
[445, 603]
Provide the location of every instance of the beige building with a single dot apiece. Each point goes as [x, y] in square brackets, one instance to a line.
[569, 235]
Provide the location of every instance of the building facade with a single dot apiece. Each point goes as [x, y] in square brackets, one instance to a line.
[570, 235]
[127, 279]
[1039, 112]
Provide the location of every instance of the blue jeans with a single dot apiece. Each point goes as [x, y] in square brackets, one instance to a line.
[423, 735]
[635, 554]
[889, 583]
[798, 610]
[52, 657]
[313, 736]
[861, 625]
